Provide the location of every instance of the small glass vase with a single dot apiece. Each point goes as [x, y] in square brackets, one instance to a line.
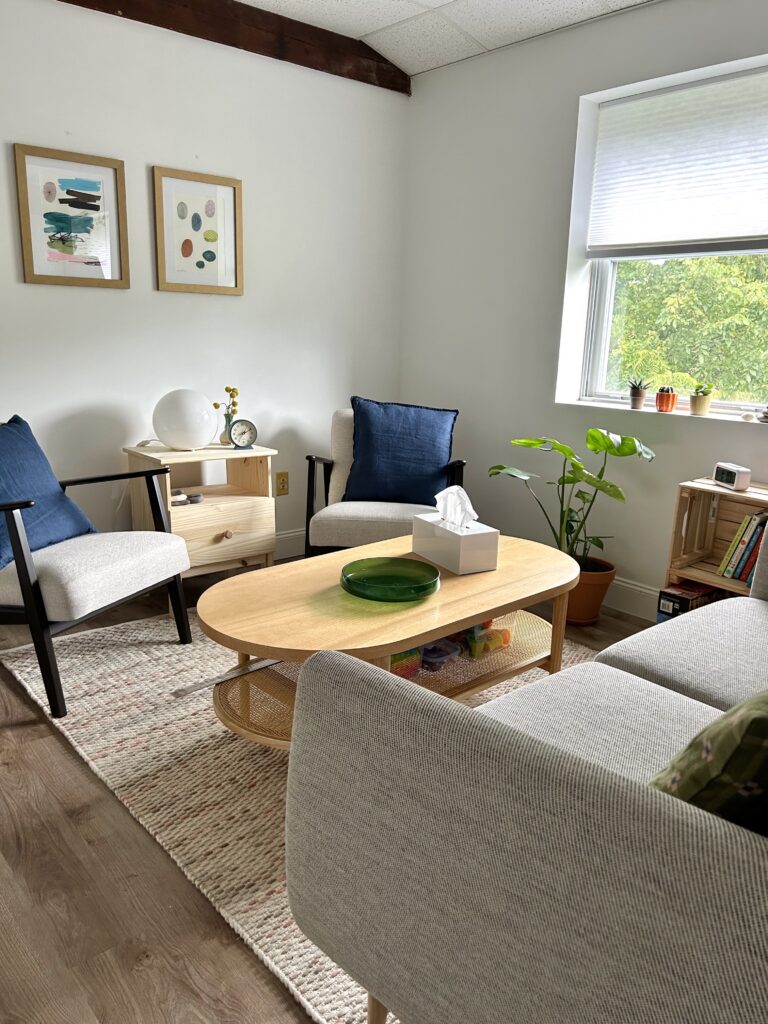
[224, 437]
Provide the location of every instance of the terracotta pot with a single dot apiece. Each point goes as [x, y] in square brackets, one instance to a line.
[586, 598]
[637, 399]
[700, 404]
[666, 401]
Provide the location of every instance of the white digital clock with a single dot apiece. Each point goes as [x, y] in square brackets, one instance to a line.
[728, 474]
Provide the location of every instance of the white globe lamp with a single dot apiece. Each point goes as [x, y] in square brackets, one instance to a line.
[185, 420]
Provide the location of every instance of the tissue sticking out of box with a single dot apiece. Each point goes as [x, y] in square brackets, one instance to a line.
[455, 508]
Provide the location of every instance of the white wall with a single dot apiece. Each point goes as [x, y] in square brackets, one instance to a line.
[490, 164]
[321, 163]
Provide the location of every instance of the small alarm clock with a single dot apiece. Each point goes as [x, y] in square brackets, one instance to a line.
[728, 474]
[243, 433]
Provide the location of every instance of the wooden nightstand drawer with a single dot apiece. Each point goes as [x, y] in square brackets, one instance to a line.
[229, 528]
[234, 525]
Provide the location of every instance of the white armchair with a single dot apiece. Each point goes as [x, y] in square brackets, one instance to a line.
[347, 524]
[56, 587]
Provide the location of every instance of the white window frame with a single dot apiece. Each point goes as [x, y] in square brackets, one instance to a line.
[602, 291]
[590, 282]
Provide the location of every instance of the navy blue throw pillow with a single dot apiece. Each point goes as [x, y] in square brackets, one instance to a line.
[400, 452]
[25, 473]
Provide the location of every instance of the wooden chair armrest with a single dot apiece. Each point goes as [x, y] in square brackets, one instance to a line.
[11, 506]
[109, 477]
[312, 463]
[455, 472]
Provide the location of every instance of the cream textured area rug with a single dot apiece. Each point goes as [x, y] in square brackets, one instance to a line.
[214, 801]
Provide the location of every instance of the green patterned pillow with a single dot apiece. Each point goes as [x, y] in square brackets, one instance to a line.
[725, 768]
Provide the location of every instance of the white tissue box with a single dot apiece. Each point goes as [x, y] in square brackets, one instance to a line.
[473, 548]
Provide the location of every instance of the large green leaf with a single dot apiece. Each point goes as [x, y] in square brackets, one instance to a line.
[618, 445]
[519, 474]
[549, 444]
[579, 474]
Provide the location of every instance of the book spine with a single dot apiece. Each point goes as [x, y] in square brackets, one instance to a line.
[735, 560]
[733, 545]
[750, 555]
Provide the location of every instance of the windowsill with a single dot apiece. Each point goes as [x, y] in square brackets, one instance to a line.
[650, 409]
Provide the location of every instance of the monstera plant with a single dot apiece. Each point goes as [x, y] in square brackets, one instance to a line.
[576, 489]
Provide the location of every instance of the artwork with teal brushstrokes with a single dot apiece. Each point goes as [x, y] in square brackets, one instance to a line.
[73, 220]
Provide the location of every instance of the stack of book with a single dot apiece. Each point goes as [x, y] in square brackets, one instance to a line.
[740, 558]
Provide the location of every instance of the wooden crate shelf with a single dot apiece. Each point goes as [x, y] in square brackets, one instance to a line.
[707, 517]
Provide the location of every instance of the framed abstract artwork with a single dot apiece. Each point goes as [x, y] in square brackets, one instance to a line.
[72, 217]
[199, 232]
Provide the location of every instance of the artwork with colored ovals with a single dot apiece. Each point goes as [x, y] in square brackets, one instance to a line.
[196, 224]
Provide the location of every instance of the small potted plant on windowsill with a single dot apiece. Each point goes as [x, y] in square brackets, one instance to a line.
[577, 489]
[666, 398]
[701, 399]
[638, 389]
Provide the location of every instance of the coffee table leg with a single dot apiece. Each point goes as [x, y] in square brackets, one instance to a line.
[243, 659]
[559, 611]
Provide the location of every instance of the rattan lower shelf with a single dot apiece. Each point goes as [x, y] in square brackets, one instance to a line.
[259, 705]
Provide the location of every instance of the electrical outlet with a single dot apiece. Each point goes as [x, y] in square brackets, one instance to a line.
[281, 483]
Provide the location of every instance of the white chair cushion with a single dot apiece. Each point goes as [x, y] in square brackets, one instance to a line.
[86, 573]
[348, 524]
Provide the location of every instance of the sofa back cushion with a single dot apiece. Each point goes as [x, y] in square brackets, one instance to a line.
[25, 473]
[401, 452]
[724, 769]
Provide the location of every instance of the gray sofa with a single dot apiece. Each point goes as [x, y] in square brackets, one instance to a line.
[510, 863]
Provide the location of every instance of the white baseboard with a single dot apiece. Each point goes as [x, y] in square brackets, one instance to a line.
[290, 544]
[633, 598]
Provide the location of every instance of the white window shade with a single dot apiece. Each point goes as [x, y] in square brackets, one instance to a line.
[682, 170]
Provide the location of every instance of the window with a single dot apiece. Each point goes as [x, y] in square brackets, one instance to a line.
[677, 241]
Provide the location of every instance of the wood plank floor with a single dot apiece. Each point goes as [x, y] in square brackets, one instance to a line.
[97, 924]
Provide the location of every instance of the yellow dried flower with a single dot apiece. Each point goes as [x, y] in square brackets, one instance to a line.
[217, 405]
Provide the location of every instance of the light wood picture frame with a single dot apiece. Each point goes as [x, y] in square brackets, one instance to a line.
[198, 232]
[72, 217]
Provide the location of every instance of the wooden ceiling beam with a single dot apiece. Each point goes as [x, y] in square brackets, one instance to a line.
[272, 35]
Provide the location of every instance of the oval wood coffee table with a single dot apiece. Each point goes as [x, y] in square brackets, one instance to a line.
[289, 612]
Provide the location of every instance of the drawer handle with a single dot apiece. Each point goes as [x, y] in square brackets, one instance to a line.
[227, 535]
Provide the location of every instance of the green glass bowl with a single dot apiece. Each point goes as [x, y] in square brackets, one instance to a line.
[390, 579]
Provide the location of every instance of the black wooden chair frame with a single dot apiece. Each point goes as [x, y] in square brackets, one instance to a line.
[454, 470]
[33, 614]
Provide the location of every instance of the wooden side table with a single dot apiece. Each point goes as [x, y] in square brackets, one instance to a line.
[234, 525]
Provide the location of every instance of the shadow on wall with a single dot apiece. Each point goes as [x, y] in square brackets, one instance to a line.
[89, 442]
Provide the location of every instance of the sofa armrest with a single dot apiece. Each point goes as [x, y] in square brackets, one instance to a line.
[461, 870]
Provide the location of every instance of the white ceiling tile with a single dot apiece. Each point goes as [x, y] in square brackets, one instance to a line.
[500, 22]
[423, 43]
[355, 18]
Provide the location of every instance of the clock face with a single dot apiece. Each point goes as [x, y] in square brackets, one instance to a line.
[243, 433]
[725, 476]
